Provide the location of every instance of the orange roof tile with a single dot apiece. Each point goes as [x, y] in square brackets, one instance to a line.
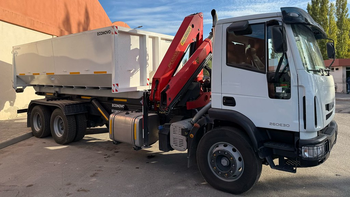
[338, 62]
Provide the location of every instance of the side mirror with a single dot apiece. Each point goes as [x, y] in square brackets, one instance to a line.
[330, 50]
[240, 28]
[278, 40]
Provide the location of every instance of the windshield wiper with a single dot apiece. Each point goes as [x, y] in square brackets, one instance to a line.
[321, 70]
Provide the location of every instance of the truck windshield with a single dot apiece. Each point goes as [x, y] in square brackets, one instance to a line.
[308, 48]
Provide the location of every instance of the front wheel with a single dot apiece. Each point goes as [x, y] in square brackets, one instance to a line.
[227, 161]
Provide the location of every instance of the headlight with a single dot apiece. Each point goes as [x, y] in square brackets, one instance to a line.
[312, 152]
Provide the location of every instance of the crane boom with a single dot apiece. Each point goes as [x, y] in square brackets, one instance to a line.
[190, 30]
[167, 88]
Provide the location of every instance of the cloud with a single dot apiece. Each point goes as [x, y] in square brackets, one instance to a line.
[248, 8]
[143, 11]
[161, 18]
[165, 16]
[156, 24]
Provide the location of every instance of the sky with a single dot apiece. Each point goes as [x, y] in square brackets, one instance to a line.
[165, 16]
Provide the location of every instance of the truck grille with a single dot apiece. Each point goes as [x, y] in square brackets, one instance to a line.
[329, 115]
[293, 163]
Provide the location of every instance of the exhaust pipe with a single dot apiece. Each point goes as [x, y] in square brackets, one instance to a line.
[215, 17]
[215, 20]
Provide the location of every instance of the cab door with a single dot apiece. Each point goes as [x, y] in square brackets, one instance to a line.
[252, 81]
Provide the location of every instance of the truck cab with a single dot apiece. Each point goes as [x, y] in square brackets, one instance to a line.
[269, 81]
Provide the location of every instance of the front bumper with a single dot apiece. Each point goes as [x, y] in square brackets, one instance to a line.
[326, 139]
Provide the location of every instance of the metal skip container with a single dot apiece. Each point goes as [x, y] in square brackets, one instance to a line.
[101, 62]
[127, 127]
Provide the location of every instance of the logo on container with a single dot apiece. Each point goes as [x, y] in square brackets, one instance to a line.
[100, 33]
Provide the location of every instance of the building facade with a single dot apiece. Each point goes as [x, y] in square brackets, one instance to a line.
[25, 21]
[340, 71]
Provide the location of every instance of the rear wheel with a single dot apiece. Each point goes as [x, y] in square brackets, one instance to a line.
[81, 123]
[63, 128]
[227, 161]
[40, 121]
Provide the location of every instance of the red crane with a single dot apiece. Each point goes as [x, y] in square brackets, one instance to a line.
[167, 88]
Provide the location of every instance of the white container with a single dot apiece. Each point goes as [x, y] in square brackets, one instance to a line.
[114, 58]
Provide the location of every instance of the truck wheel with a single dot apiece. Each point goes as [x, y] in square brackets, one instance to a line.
[227, 161]
[63, 128]
[40, 121]
[80, 120]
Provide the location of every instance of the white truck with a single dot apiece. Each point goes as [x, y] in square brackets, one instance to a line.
[269, 99]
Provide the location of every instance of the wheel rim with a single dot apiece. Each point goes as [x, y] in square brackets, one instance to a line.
[58, 126]
[225, 161]
[37, 122]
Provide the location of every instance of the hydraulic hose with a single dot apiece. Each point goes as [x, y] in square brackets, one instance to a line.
[200, 113]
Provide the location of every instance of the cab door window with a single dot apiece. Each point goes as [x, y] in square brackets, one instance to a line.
[278, 73]
[247, 51]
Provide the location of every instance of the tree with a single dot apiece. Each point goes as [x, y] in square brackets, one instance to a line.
[313, 9]
[343, 25]
[348, 53]
[318, 10]
[205, 72]
[332, 25]
[323, 21]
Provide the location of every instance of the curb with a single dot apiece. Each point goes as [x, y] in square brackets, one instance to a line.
[15, 140]
[342, 99]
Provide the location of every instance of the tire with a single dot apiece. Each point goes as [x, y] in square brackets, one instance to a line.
[40, 121]
[81, 125]
[227, 161]
[63, 128]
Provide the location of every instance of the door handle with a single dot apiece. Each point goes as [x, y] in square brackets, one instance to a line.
[228, 101]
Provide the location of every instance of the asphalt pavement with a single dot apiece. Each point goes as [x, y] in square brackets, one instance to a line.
[95, 166]
[13, 131]
[342, 97]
